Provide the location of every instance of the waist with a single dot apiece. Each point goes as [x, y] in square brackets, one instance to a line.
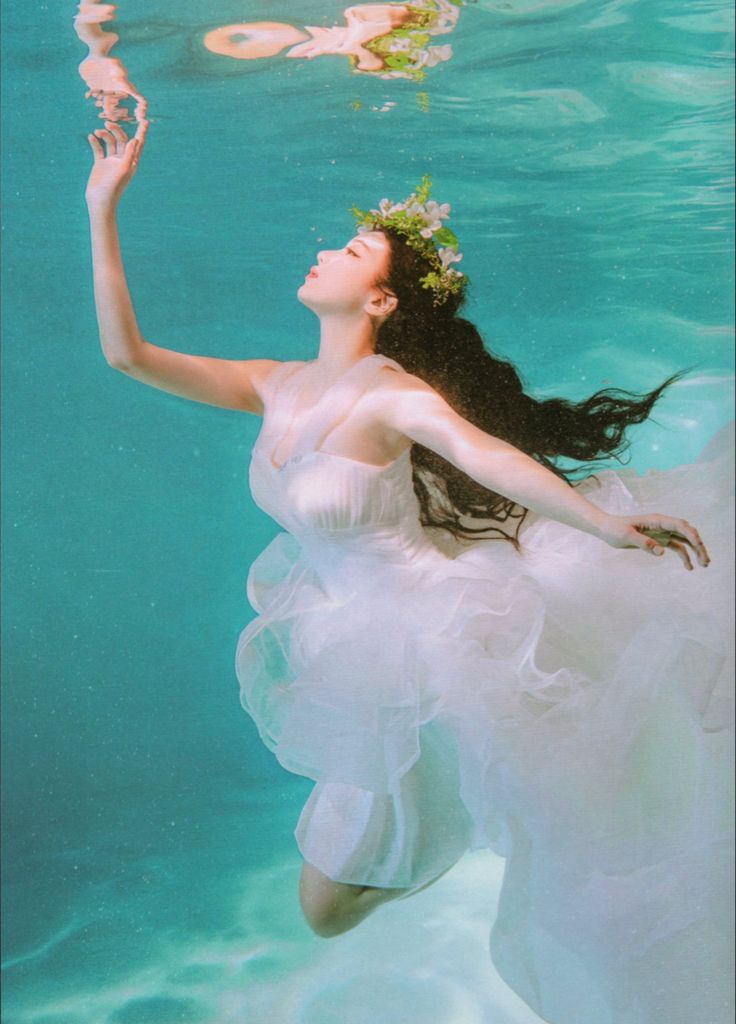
[367, 556]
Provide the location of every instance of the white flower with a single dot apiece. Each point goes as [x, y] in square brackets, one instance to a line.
[434, 55]
[386, 208]
[448, 256]
[431, 214]
[400, 45]
[437, 212]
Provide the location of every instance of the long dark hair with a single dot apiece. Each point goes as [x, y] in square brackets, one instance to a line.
[445, 350]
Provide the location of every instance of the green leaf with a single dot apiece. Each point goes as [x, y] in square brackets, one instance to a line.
[446, 237]
[397, 61]
[422, 193]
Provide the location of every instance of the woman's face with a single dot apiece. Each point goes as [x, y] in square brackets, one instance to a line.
[344, 280]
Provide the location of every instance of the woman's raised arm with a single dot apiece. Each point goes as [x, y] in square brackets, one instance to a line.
[229, 383]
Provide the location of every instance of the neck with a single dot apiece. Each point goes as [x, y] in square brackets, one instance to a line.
[343, 341]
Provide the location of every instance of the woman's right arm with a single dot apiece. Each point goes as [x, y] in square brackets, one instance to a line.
[229, 383]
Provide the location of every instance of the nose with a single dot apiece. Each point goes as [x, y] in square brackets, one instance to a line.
[323, 255]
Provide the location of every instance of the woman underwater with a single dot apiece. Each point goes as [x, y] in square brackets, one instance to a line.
[543, 694]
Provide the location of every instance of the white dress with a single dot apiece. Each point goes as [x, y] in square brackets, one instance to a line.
[567, 706]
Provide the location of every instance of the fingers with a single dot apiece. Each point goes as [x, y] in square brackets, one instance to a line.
[658, 548]
[650, 544]
[121, 139]
[132, 150]
[693, 538]
[685, 533]
[108, 138]
[667, 530]
[129, 147]
[141, 131]
[681, 550]
[97, 149]
[114, 137]
[689, 536]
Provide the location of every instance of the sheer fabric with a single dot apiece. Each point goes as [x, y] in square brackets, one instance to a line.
[568, 706]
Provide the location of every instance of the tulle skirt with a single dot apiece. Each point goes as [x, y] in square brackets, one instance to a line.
[568, 706]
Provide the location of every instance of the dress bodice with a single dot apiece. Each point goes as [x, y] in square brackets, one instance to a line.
[334, 505]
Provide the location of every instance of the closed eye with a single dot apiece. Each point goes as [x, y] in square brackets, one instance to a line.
[352, 252]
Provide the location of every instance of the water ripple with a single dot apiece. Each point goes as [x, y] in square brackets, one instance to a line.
[673, 83]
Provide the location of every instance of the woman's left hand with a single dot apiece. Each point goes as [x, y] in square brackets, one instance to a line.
[654, 533]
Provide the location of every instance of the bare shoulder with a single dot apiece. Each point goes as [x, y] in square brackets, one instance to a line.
[393, 382]
[261, 371]
[397, 376]
[265, 371]
[400, 404]
[253, 375]
[396, 391]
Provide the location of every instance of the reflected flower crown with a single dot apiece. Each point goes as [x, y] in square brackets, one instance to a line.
[419, 220]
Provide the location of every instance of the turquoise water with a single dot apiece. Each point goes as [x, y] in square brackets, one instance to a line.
[150, 873]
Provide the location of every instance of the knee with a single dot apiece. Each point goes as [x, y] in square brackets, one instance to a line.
[328, 907]
[326, 922]
[325, 914]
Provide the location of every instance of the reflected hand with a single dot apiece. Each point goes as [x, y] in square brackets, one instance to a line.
[322, 41]
[115, 162]
[654, 533]
[340, 41]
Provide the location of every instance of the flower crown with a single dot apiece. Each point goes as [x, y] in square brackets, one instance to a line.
[419, 220]
[404, 51]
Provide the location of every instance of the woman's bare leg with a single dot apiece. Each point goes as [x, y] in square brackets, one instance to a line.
[332, 908]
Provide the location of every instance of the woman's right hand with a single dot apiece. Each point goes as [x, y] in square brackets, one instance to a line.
[116, 161]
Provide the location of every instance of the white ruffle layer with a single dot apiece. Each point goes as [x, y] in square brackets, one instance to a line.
[568, 706]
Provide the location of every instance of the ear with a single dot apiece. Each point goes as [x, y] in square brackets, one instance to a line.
[382, 304]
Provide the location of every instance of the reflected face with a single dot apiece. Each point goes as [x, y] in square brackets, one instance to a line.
[344, 280]
[393, 14]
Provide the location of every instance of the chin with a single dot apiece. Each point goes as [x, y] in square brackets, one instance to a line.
[302, 293]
